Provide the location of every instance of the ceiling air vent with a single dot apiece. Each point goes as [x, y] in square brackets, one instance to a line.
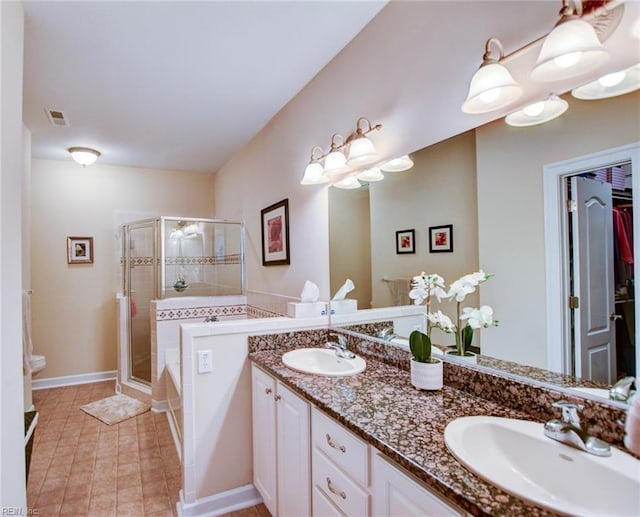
[57, 117]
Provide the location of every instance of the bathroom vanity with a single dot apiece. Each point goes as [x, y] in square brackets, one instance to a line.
[371, 444]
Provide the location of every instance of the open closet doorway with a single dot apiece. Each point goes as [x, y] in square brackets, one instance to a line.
[601, 276]
[592, 236]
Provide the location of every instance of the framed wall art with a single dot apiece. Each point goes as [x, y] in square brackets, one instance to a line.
[79, 250]
[275, 234]
[441, 238]
[405, 241]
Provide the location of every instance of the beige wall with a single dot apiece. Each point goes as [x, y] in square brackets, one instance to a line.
[350, 243]
[73, 306]
[511, 218]
[439, 190]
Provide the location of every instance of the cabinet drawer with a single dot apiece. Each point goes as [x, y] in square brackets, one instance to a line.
[345, 449]
[339, 488]
[322, 507]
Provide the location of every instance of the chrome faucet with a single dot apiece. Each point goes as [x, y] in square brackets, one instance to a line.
[387, 334]
[570, 432]
[340, 347]
[622, 390]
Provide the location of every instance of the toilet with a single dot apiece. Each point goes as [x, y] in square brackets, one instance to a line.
[38, 363]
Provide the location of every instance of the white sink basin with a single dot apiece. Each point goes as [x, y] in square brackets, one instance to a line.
[516, 456]
[322, 361]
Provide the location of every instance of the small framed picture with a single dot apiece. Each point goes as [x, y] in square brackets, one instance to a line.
[441, 238]
[275, 234]
[79, 250]
[405, 241]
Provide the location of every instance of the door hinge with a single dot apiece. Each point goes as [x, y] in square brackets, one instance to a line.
[574, 302]
[572, 206]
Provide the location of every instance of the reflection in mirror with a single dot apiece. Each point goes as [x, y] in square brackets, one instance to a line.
[491, 184]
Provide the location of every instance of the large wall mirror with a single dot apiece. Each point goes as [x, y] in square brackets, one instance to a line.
[495, 186]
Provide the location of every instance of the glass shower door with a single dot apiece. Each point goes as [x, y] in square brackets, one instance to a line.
[141, 289]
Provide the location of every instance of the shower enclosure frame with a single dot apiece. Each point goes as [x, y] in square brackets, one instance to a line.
[158, 225]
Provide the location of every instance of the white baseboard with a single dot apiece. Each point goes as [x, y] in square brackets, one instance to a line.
[174, 434]
[70, 380]
[219, 504]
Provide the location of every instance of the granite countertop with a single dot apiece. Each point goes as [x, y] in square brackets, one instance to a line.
[406, 424]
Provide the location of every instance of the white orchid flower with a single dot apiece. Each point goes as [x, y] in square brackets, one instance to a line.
[424, 285]
[479, 318]
[460, 289]
[442, 321]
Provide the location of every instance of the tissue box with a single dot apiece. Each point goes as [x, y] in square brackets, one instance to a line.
[306, 309]
[343, 306]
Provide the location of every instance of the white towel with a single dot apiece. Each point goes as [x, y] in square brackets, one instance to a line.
[27, 345]
[399, 288]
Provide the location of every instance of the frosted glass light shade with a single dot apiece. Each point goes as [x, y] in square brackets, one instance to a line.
[571, 49]
[350, 182]
[371, 175]
[605, 87]
[403, 163]
[335, 163]
[492, 87]
[84, 155]
[361, 151]
[313, 174]
[538, 113]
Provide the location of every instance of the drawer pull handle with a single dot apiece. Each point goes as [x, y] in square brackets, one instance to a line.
[331, 443]
[278, 397]
[333, 490]
[268, 391]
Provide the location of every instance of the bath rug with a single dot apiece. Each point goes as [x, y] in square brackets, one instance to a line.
[115, 409]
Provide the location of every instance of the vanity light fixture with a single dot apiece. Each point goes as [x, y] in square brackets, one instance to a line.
[371, 175]
[84, 155]
[538, 112]
[492, 86]
[322, 167]
[610, 85]
[361, 149]
[350, 182]
[400, 164]
[313, 174]
[335, 162]
[569, 50]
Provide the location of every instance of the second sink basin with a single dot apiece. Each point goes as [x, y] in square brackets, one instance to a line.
[322, 361]
[516, 456]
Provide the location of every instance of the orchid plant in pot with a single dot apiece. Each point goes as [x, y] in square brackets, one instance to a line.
[468, 319]
[426, 370]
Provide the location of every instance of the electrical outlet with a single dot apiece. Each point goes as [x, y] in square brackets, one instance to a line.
[204, 361]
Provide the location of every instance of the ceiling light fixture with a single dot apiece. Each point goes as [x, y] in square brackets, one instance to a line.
[569, 50]
[538, 112]
[84, 155]
[403, 163]
[610, 85]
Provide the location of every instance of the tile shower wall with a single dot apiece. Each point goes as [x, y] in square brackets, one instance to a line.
[167, 315]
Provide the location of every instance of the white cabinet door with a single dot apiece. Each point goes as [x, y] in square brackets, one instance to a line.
[294, 479]
[263, 389]
[396, 494]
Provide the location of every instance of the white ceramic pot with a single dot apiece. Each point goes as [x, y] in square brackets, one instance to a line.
[469, 357]
[426, 376]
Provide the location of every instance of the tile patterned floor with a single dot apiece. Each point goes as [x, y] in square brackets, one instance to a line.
[81, 466]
